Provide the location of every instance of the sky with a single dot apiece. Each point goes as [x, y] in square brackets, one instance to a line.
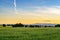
[29, 11]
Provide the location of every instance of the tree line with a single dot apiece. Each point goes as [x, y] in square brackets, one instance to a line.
[22, 25]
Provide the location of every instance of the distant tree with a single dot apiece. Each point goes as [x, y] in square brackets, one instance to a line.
[4, 25]
[31, 25]
[48, 26]
[37, 26]
[18, 25]
[58, 25]
[45, 26]
[26, 25]
[8, 25]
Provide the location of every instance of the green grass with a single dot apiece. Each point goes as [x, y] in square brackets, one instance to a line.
[29, 33]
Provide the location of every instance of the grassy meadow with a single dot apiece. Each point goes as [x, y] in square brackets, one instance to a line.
[9, 33]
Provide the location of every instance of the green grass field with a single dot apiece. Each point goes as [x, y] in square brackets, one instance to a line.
[29, 33]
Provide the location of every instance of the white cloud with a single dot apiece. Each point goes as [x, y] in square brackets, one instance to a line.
[44, 10]
[41, 12]
[55, 10]
[47, 10]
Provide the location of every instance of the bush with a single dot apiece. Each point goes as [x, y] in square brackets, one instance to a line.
[4, 25]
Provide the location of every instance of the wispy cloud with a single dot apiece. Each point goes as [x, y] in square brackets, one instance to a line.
[15, 7]
[41, 12]
[47, 10]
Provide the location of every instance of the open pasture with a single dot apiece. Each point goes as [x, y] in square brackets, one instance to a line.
[9, 33]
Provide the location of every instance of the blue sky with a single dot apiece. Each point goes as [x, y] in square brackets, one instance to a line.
[28, 3]
[34, 9]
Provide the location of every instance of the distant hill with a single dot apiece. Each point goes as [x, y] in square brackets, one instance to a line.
[44, 24]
